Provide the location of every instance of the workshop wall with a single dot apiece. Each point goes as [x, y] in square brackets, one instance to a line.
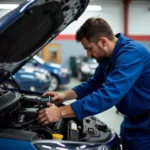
[3, 12]
[72, 48]
[112, 11]
[138, 24]
[139, 18]
[69, 48]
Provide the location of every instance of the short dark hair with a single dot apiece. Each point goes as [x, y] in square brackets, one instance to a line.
[93, 28]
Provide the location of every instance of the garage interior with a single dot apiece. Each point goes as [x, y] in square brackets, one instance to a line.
[130, 17]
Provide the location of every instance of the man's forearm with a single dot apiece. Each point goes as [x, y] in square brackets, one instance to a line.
[70, 95]
[66, 112]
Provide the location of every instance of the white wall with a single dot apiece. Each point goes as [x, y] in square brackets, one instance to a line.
[112, 12]
[3, 12]
[139, 18]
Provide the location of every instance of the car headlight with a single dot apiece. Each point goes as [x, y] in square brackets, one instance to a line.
[32, 88]
[61, 146]
[64, 70]
[40, 76]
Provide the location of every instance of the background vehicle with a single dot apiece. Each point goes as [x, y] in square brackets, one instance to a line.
[30, 78]
[59, 75]
[85, 67]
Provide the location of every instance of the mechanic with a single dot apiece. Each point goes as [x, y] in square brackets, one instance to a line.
[122, 79]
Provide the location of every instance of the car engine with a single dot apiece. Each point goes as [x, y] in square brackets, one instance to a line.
[18, 112]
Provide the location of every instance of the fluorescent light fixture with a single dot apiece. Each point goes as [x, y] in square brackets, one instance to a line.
[94, 8]
[8, 6]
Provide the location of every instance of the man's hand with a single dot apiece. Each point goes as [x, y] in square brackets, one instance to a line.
[61, 97]
[49, 115]
[56, 97]
[54, 113]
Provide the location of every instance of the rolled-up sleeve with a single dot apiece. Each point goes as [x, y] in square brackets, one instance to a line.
[128, 67]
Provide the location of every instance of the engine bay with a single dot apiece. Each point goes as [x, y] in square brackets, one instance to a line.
[19, 112]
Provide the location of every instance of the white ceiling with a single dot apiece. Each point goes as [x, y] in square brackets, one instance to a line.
[11, 1]
[93, 2]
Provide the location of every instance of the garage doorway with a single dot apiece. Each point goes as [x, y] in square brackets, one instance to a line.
[51, 53]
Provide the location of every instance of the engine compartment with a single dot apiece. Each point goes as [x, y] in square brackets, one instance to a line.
[20, 114]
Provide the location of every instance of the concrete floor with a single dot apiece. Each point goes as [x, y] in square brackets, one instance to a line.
[109, 117]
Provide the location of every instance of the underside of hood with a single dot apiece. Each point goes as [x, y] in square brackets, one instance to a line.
[29, 32]
[27, 29]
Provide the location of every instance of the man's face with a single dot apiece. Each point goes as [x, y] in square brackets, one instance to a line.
[94, 50]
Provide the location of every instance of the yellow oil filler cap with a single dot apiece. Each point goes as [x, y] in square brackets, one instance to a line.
[56, 136]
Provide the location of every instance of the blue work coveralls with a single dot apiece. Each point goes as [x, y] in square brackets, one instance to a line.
[122, 81]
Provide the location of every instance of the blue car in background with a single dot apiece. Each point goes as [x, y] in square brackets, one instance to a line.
[59, 75]
[30, 79]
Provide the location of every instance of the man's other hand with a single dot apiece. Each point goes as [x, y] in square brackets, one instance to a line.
[49, 115]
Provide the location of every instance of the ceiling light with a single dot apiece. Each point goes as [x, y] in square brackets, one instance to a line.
[8, 6]
[93, 8]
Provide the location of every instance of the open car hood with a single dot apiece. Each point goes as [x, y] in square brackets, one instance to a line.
[27, 29]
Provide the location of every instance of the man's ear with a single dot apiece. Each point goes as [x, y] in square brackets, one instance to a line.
[101, 44]
[103, 41]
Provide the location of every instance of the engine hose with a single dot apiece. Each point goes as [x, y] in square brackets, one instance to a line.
[43, 130]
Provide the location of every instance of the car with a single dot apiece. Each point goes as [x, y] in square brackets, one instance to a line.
[85, 67]
[30, 78]
[23, 33]
[59, 74]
